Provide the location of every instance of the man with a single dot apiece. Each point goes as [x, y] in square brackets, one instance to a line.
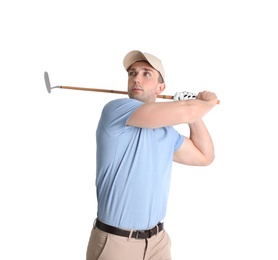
[136, 145]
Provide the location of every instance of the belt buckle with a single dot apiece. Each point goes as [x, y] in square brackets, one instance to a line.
[151, 232]
[138, 233]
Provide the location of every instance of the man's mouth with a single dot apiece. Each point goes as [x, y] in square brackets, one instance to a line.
[136, 89]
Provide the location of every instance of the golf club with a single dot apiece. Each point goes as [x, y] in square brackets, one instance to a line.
[186, 95]
[49, 88]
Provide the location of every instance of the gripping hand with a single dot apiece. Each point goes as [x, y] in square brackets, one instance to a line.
[183, 95]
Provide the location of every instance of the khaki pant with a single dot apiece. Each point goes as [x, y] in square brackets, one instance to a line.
[105, 246]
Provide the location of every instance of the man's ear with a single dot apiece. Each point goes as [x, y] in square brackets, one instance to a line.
[160, 88]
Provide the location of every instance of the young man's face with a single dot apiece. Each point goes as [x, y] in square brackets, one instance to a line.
[143, 82]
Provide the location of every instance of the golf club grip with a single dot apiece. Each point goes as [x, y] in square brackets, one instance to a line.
[110, 91]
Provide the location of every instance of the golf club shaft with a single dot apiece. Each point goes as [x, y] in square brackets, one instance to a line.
[108, 91]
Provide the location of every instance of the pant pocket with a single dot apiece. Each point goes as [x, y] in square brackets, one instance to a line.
[97, 244]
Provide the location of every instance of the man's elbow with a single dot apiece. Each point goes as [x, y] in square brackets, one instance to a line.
[208, 160]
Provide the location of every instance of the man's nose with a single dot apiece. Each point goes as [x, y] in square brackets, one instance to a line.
[137, 78]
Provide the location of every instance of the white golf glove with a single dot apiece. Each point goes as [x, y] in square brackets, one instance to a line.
[183, 95]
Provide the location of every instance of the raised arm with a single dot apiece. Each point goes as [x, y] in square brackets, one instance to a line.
[160, 114]
[198, 148]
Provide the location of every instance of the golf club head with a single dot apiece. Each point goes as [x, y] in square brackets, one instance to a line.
[47, 82]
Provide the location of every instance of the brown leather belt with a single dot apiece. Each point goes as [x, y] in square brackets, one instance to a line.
[138, 234]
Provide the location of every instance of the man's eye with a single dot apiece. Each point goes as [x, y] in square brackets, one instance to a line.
[131, 73]
[147, 74]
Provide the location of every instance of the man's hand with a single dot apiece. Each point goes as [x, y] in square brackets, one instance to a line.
[183, 95]
[204, 95]
[208, 96]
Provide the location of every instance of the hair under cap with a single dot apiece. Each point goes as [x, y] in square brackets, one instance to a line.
[134, 56]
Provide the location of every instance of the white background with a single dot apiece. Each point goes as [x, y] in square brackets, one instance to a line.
[227, 210]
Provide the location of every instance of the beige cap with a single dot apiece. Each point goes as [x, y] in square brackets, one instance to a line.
[134, 56]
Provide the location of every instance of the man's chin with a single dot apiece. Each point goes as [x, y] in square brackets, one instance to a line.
[135, 96]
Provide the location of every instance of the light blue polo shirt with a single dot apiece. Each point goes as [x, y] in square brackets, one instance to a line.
[133, 170]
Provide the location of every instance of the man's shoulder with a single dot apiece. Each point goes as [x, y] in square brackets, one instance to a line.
[113, 104]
